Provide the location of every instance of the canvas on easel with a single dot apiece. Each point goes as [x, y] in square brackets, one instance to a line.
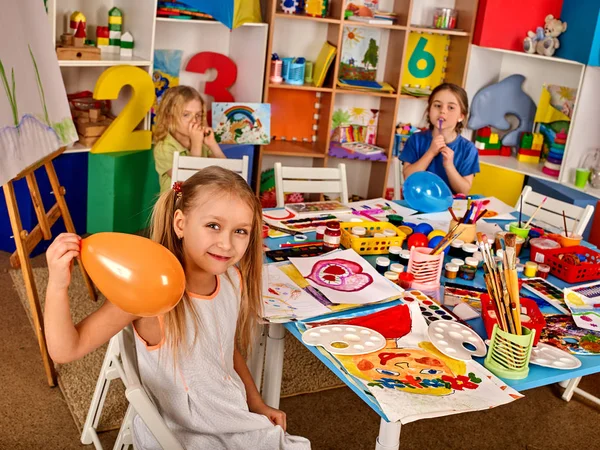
[35, 127]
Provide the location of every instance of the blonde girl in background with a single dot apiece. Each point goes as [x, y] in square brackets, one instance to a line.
[191, 359]
[181, 127]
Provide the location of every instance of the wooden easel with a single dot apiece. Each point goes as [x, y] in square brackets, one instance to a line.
[27, 241]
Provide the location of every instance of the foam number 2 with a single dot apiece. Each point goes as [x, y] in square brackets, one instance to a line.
[226, 74]
[416, 67]
[120, 135]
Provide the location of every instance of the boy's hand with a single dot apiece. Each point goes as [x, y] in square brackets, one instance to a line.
[60, 255]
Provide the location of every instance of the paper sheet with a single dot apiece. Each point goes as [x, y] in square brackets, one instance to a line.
[388, 206]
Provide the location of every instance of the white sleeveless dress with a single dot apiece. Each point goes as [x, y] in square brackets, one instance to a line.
[204, 401]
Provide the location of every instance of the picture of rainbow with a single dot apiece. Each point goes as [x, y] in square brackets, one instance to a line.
[242, 123]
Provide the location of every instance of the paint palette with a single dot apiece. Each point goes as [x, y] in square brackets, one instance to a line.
[549, 356]
[547, 291]
[431, 310]
[307, 224]
[456, 340]
[344, 340]
[458, 293]
[284, 254]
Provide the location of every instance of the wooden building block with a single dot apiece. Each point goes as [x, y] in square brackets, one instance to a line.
[66, 39]
[85, 53]
[88, 141]
[94, 114]
[93, 129]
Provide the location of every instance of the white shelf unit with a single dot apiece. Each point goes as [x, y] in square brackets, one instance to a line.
[489, 65]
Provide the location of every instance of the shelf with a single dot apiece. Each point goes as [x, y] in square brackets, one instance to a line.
[281, 15]
[511, 163]
[293, 148]
[414, 97]
[369, 93]
[391, 26]
[336, 151]
[420, 29]
[594, 192]
[77, 148]
[528, 55]
[303, 87]
[107, 60]
[206, 22]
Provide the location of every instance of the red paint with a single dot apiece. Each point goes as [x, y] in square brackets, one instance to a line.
[388, 356]
[364, 365]
[428, 361]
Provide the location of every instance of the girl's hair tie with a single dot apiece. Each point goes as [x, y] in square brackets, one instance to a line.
[177, 188]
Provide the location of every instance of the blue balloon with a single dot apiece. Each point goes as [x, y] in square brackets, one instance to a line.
[426, 192]
[424, 228]
[434, 241]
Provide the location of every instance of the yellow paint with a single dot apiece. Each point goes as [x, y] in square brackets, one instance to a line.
[528, 159]
[494, 138]
[575, 299]
[503, 184]
[437, 46]
[120, 135]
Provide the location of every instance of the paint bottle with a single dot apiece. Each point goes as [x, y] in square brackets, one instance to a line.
[320, 232]
[389, 233]
[467, 272]
[455, 248]
[469, 250]
[395, 253]
[405, 280]
[459, 262]
[332, 236]
[359, 231]
[531, 269]
[451, 271]
[392, 276]
[520, 268]
[398, 268]
[382, 264]
[379, 235]
[404, 257]
[543, 271]
[471, 261]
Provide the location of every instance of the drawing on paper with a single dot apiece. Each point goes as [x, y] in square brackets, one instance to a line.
[360, 53]
[354, 125]
[242, 123]
[341, 275]
[167, 64]
[562, 332]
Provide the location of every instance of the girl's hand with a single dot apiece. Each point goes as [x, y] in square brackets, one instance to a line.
[196, 132]
[448, 155]
[60, 257]
[276, 416]
[437, 144]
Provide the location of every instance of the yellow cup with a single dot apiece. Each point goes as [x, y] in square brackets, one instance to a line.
[469, 231]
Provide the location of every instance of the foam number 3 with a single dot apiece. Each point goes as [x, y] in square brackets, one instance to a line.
[120, 135]
[226, 74]
[415, 64]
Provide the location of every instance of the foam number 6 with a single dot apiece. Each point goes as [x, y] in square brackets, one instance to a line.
[120, 135]
[420, 54]
[226, 74]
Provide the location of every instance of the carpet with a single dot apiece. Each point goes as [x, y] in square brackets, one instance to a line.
[302, 372]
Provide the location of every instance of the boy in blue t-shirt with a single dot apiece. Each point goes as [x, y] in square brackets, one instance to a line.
[441, 149]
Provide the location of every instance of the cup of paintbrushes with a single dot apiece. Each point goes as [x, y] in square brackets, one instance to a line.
[468, 231]
[499, 236]
[570, 240]
[522, 232]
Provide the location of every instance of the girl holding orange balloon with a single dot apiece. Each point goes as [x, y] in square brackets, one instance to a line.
[190, 355]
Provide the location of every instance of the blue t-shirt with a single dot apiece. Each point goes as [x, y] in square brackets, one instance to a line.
[466, 156]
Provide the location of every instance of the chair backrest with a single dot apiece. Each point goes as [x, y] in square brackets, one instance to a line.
[310, 180]
[186, 166]
[137, 395]
[551, 212]
[398, 178]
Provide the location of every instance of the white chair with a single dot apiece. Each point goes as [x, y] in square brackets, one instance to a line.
[310, 180]
[551, 212]
[398, 178]
[186, 166]
[120, 361]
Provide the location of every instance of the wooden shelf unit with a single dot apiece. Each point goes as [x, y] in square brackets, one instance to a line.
[393, 61]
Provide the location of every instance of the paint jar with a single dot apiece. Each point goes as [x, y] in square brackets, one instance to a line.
[451, 271]
[392, 276]
[389, 233]
[472, 261]
[404, 257]
[332, 236]
[405, 280]
[455, 248]
[539, 247]
[469, 250]
[395, 253]
[379, 235]
[570, 240]
[359, 231]
[518, 245]
[467, 272]
[479, 257]
[398, 268]
[520, 268]
[382, 264]
[320, 232]
[530, 269]
[543, 271]
[459, 262]
[395, 219]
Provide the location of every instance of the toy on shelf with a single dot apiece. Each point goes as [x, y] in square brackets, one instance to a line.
[488, 143]
[530, 148]
[403, 132]
[317, 8]
[115, 25]
[276, 69]
[545, 40]
[367, 12]
[492, 103]
[127, 44]
[92, 117]
[102, 35]
[77, 18]
[72, 45]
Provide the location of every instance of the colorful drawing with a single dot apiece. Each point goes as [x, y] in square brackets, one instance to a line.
[584, 303]
[242, 123]
[457, 293]
[387, 207]
[345, 277]
[316, 208]
[167, 64]
[548, 292]
[360, 53]
[354, 125]
[425, 67]
[562, 332]
[410, 364]
[35, 120]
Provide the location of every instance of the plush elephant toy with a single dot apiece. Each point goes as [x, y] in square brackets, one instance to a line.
[544, 41]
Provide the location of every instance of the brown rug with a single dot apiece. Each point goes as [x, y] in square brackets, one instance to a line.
[302, 371]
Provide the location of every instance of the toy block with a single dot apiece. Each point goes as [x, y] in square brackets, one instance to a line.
[526, 140]
[66, 39]
[483, 140]
[487, 152]
[94, 114]
[88, 141]
[493, 138]
[480, 145]
[536, 146]
[484, 132]
[538, 138]
[93, 129]
[114, 27]
[505, 151]
[102, 32]
[528, 152]
[528, 159]
[76, 19]
[84, 53]
[78, 42]
[102, 42]
[126, 52]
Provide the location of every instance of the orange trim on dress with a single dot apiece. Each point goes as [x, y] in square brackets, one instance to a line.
[207, 297]
[161, 324]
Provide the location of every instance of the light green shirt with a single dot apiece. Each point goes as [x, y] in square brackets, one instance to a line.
[163, 158]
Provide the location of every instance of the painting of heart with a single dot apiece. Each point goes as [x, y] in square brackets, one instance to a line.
[341, 275]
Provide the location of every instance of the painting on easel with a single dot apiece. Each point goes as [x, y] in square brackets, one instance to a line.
[35, 119]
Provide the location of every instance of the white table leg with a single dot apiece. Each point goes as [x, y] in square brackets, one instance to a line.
[570, 386]
[389, 436]
[273, 365]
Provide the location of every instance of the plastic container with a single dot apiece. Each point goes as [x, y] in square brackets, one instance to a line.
[276, 69]
[426, 268]
[395, 253]
[570, 240]
[382, 264]
[332, 236]
[468, 231]
[405, 280]
[456, 248]
[513, 227]
[466, 272]
[444, 18]
[398, 268]
[539, 247]
[451, 271]
[365, 245]
[320, 232]
[509, 354]
[392, 276]
[459, 262]
[296, 72]
[530, 269]
[566, 264]
[472, 261]
[359, 231]
[543, 271]
[500, 236]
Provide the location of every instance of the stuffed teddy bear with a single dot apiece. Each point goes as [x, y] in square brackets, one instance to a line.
[544, 41]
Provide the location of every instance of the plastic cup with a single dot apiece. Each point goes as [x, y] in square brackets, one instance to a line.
[571, 240]
[513, 227]
[581, 177]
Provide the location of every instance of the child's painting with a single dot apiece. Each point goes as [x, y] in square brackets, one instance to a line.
[360, 53]
[167, 64]
[35, 119]
[242, 123]
[354, 125]
[562, 332]
[346, 277]
[584, 303]
[410, 379]
[284, 300]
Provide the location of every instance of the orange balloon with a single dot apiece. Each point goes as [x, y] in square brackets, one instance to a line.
[134, 273]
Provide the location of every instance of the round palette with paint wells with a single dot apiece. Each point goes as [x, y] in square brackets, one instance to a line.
[549, 356]
[456, 340]
[344, 339]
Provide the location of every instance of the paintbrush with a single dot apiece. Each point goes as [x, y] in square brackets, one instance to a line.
[283, 230]
[481, 214]
[448, 242]
[510, 253]
[445, 238]
[520, 209]
[565, 223]
[452, 214]
[574, 226]
[535, 212]
[506, 298]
